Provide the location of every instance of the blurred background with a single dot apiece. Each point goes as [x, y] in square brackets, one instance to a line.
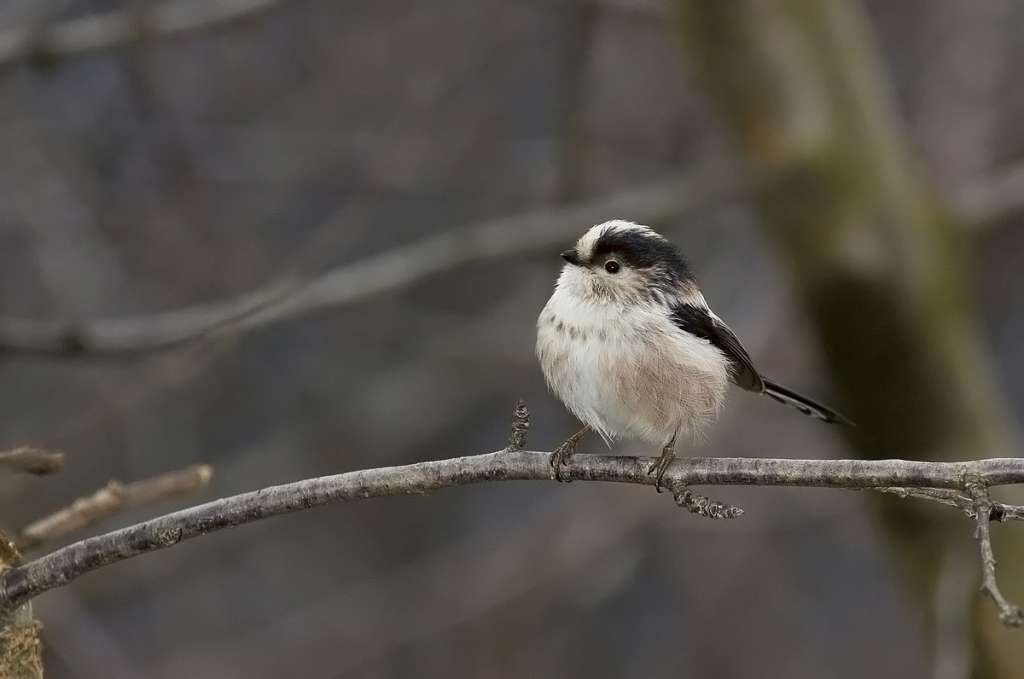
[844, 177]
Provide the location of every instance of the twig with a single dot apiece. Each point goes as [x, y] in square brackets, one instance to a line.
[103, 31]
[110, 499]
[997, 510]
[1009, 614]
[520, 426]
[701, 505]
[60, 567]
[32, 460]
[978, 505]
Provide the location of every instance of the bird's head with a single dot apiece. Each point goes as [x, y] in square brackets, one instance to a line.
[624, 262]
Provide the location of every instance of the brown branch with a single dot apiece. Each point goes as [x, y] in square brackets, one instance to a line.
[58, 568]
[111, 499]
[32, 460]
[47, 45]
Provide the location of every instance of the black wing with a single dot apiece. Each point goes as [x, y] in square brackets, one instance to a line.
[699, 321]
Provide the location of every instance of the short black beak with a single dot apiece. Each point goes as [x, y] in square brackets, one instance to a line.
[571, 257]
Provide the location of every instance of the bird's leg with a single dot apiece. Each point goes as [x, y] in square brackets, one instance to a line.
[668, 453]
[563, 453]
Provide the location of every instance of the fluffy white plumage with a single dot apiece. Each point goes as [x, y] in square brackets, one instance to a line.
[610, 351]
[627, 341]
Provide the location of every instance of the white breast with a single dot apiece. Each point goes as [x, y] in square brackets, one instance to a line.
[626, 370]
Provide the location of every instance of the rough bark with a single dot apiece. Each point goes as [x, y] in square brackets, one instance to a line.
[19, 585]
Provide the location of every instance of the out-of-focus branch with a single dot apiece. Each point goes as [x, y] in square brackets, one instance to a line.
[157, 331]
[987, 202]
[111, 499]
[22, 583]
[669, 198]
[376, 274]
[103, 31]
[32, 460]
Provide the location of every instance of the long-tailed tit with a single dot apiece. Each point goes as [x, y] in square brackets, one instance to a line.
[629, 344]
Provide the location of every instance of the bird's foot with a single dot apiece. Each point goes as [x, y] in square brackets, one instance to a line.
[561, 458]
[660, 466]
[563, 455]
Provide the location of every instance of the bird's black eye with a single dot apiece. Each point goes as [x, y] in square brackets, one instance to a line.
[611, 266]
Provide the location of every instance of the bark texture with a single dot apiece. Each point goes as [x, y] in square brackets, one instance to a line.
[20, 584]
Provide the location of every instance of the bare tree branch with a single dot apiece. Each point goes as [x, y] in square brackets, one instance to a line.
[387, 271]
[974, 501]
[32, 460]
[103, 31]
[668, 198]
[1009, 614]
[60, 567]
[952, 498]
[111, 499]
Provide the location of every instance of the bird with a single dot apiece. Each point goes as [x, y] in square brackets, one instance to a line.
[628, 343]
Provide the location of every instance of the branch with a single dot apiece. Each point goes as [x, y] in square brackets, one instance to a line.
[672, 197]
[32, 460]
[1001, 196]
[1009, 614]
[997, 511]
[103, 31]
[60, 567]
[348, 283]
[111, 499]
[520, 427]
[977, 505]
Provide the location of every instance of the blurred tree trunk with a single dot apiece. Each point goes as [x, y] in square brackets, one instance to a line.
[873, 253]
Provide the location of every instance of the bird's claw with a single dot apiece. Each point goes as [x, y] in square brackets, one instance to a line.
[563, 454]
[660, 466]
[561, 458]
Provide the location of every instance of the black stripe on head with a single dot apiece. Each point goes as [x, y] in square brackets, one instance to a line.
[642, 250]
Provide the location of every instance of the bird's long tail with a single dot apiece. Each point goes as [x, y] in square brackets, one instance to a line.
[803, 404]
